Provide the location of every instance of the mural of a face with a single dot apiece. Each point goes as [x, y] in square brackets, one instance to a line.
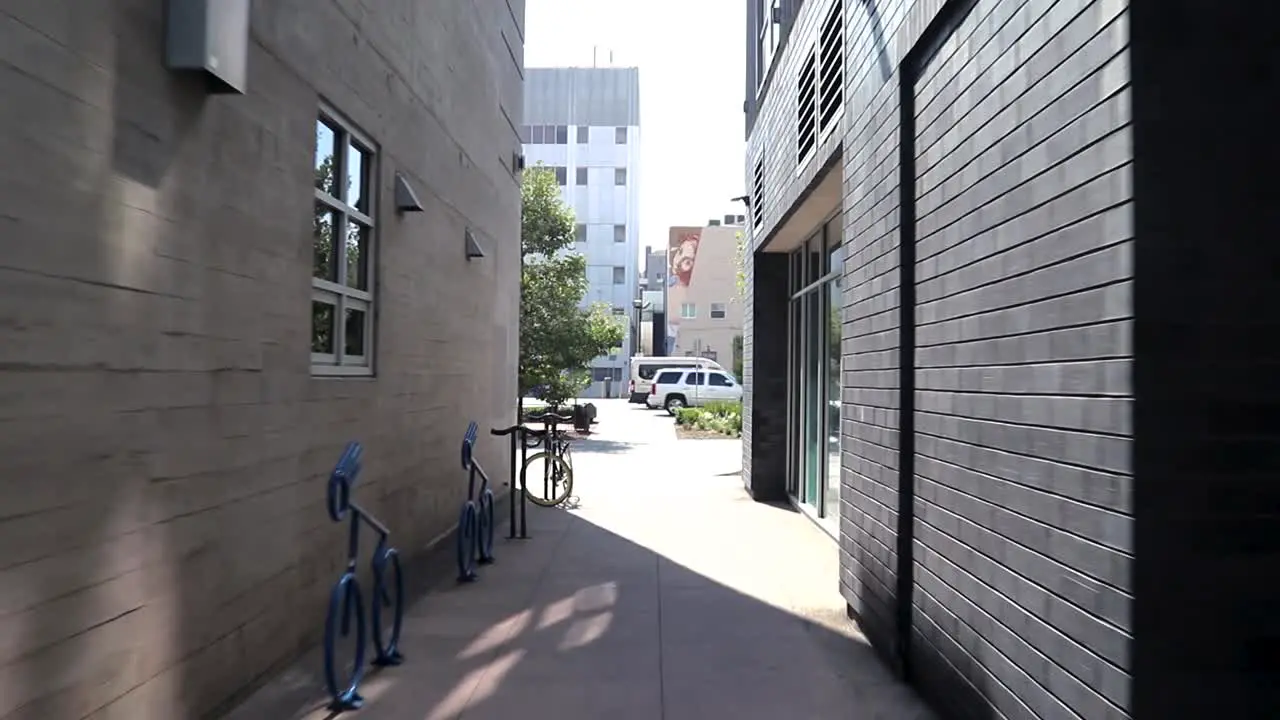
[683, 257]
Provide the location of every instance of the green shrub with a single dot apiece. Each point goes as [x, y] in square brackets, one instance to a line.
[688, 416]
[724, 407]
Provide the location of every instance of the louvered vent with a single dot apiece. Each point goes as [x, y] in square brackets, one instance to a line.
[807, 108]
[831, 66]
[757, 195]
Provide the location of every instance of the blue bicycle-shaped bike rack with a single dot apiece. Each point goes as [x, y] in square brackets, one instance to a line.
[346, 605]
[475, 524]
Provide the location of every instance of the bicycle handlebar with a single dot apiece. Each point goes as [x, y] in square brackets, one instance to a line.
[525, 429]
[551, 418]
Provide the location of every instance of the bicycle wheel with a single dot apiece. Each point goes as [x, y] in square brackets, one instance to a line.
[388, 597]
[546, 479]
[484, 534]
[345, 606]
[467, 532]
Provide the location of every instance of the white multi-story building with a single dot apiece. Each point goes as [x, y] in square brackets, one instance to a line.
[585, 123]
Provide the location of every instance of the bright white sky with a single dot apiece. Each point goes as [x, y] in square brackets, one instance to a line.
[690, 55]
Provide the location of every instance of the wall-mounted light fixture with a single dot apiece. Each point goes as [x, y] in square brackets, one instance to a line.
[406, 198]
[474, 251]
[209, 37]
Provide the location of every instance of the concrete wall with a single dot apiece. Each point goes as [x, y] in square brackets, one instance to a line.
[163, 445]
[986, 538]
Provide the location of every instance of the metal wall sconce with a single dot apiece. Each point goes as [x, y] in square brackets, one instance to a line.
[406, 198]
[209, 38]
[474, 251]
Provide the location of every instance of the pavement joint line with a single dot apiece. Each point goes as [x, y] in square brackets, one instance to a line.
[533, 593]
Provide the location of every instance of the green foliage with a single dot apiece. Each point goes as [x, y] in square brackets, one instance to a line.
[558, 338]
[718, 416]
[740, 262]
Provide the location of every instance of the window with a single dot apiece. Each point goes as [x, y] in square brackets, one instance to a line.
[525, 132]
[670, 377]
[620, 136]
[718, 380]
[717, 311]
[535, 135]
[688, 311]
[562, 134]
[619, 311]
[584, 134]
[600, 374]
[619, 176]
[342, 251]
[562, 175]
[580, 233]
[697, 378]
[582, 176]
[619, 233]
[619, 275]
[769, 17]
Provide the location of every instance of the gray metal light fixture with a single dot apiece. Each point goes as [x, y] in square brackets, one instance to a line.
[209, 38]
[406, 198]
[474, 250]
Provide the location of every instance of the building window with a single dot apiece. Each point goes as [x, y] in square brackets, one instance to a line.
[582, 176]
[535, 134]
[580, 233]
[525, 132]
[688, 311]
[619, 275]
[584, 135]
[619, 233]
[619, 311]
[769, 16]
[562, 134]
[620, 136]
[717, 311]
[619, 176]
[562, 175]
[342, 271]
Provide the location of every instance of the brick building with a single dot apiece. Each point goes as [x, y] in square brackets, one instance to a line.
[1019, 255]
[182, 352]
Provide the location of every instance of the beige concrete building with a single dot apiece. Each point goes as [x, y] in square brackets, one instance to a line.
[184, 353]
[704, 313]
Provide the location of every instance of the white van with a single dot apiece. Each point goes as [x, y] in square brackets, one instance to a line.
[643, 369]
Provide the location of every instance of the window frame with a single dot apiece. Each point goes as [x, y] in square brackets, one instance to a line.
[562, 175]
[337, 293]
[620, 173]
[724, 311]
[692, 308]
[619, 233]
[583, 135]
[620, 135]
[616, 281]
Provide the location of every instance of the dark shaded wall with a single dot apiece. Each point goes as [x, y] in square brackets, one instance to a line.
[987, 533]
[764, 377]
[163, 444]
[1205, 110]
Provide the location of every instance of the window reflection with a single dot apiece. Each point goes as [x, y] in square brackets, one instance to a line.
[357, 255]
[323, 264]
[325, 159]
[357, 190]
[353, 335]
[321, 327]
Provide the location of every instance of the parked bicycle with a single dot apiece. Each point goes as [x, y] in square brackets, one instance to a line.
[554, 463]
[346, 604]
[475, 524]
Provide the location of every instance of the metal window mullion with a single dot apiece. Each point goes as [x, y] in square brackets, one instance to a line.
[340, 332]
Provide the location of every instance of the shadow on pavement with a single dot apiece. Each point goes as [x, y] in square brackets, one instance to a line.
[594, 444]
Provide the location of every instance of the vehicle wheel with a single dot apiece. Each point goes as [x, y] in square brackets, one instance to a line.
[345, 608]
[484, 536]
[547, 480]
[388, 597]
[467, 531]
[674, 403]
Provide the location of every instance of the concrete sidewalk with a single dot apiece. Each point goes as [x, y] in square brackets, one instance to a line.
[667, 594]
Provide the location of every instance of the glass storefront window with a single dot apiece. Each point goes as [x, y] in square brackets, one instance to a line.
[813, 375]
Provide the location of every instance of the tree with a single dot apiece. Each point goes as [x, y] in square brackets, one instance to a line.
[558, 337]
[737, 357]
[740, 260]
